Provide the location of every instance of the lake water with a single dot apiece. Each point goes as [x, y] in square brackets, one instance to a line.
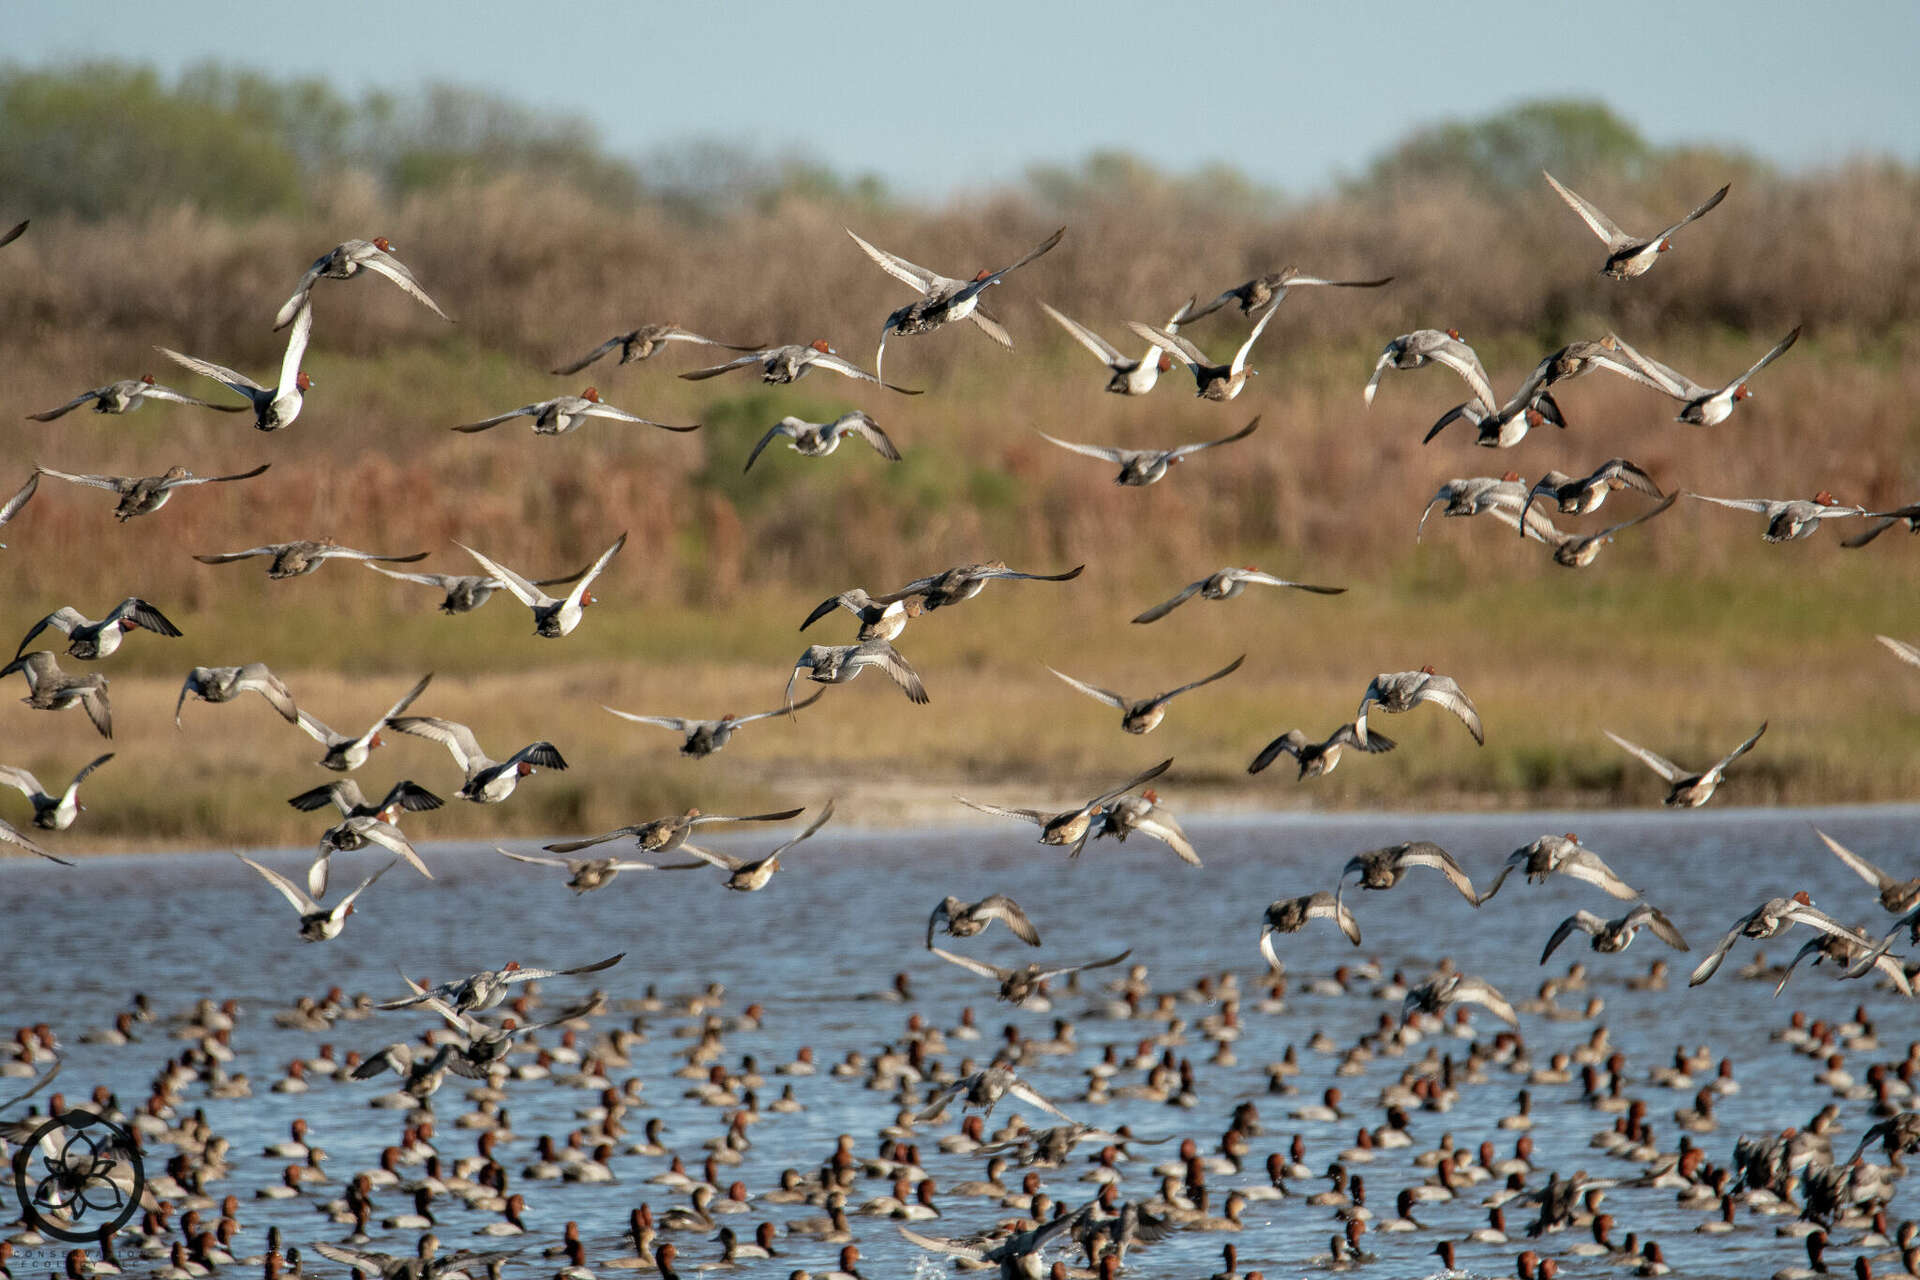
[849, 911]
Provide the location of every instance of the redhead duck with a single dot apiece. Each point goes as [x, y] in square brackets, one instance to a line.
[1396, 692]
[143, 495]
[1466, 496]
[732, 1251]
[468, 591]
[551, 618]
[1579, 496]
[1422, 347]
[1704, 406]
[347, 260]
[1382, 869]
[273, 407]
[485, 990]
[1017, 1254]
[1144, 813]
[1127, 377]
[985, 1089]
[1789, 519]
[1566, 856]
[1779, 914]
[849, 1268]
[1217, 382]
[317, 923]
[1897, 896]
[1290, 915]
[1628, 255]
[51, 812]
[510, 1223]
[488, 781]
[1437, 993]
[839, 663]
[88, 640]
[345, 754]
[750, 876]
[881, 619]
[943, 300]
[1688, 790]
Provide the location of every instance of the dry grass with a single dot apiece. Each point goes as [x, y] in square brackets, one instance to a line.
[1683, 636]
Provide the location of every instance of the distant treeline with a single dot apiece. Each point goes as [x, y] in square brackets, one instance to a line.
[1457, 212]
[105, 139]
[101, 139]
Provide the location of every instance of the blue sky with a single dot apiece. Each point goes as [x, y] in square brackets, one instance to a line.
[938, 97]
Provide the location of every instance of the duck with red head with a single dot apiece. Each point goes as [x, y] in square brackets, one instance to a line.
[1422, 347]
[1689, 790]
[347, 260]
[274, 408]
[1702, 406]
[345, 754]
[488, 781]
[1789, 519]
[317, 923]
[1126, 376]
[1628, 255]
[943, 300]
[1396, 692]
[1775, 916]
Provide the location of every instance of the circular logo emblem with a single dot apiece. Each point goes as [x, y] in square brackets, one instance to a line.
[79, 1178]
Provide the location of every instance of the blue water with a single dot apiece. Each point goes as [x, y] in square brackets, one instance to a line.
[848, 912]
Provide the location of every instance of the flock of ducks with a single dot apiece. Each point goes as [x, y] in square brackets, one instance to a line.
[1105, 1227]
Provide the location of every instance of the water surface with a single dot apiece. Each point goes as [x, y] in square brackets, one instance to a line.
[849, 911]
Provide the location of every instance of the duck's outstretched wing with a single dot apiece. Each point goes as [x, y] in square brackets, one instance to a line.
[1166, 607]
[1599, 223]
[1666, 768]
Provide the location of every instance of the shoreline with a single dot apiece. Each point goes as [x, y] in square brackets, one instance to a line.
[932, 819]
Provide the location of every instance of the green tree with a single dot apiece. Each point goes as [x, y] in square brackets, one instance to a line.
[104, 138]
[1509, 149]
